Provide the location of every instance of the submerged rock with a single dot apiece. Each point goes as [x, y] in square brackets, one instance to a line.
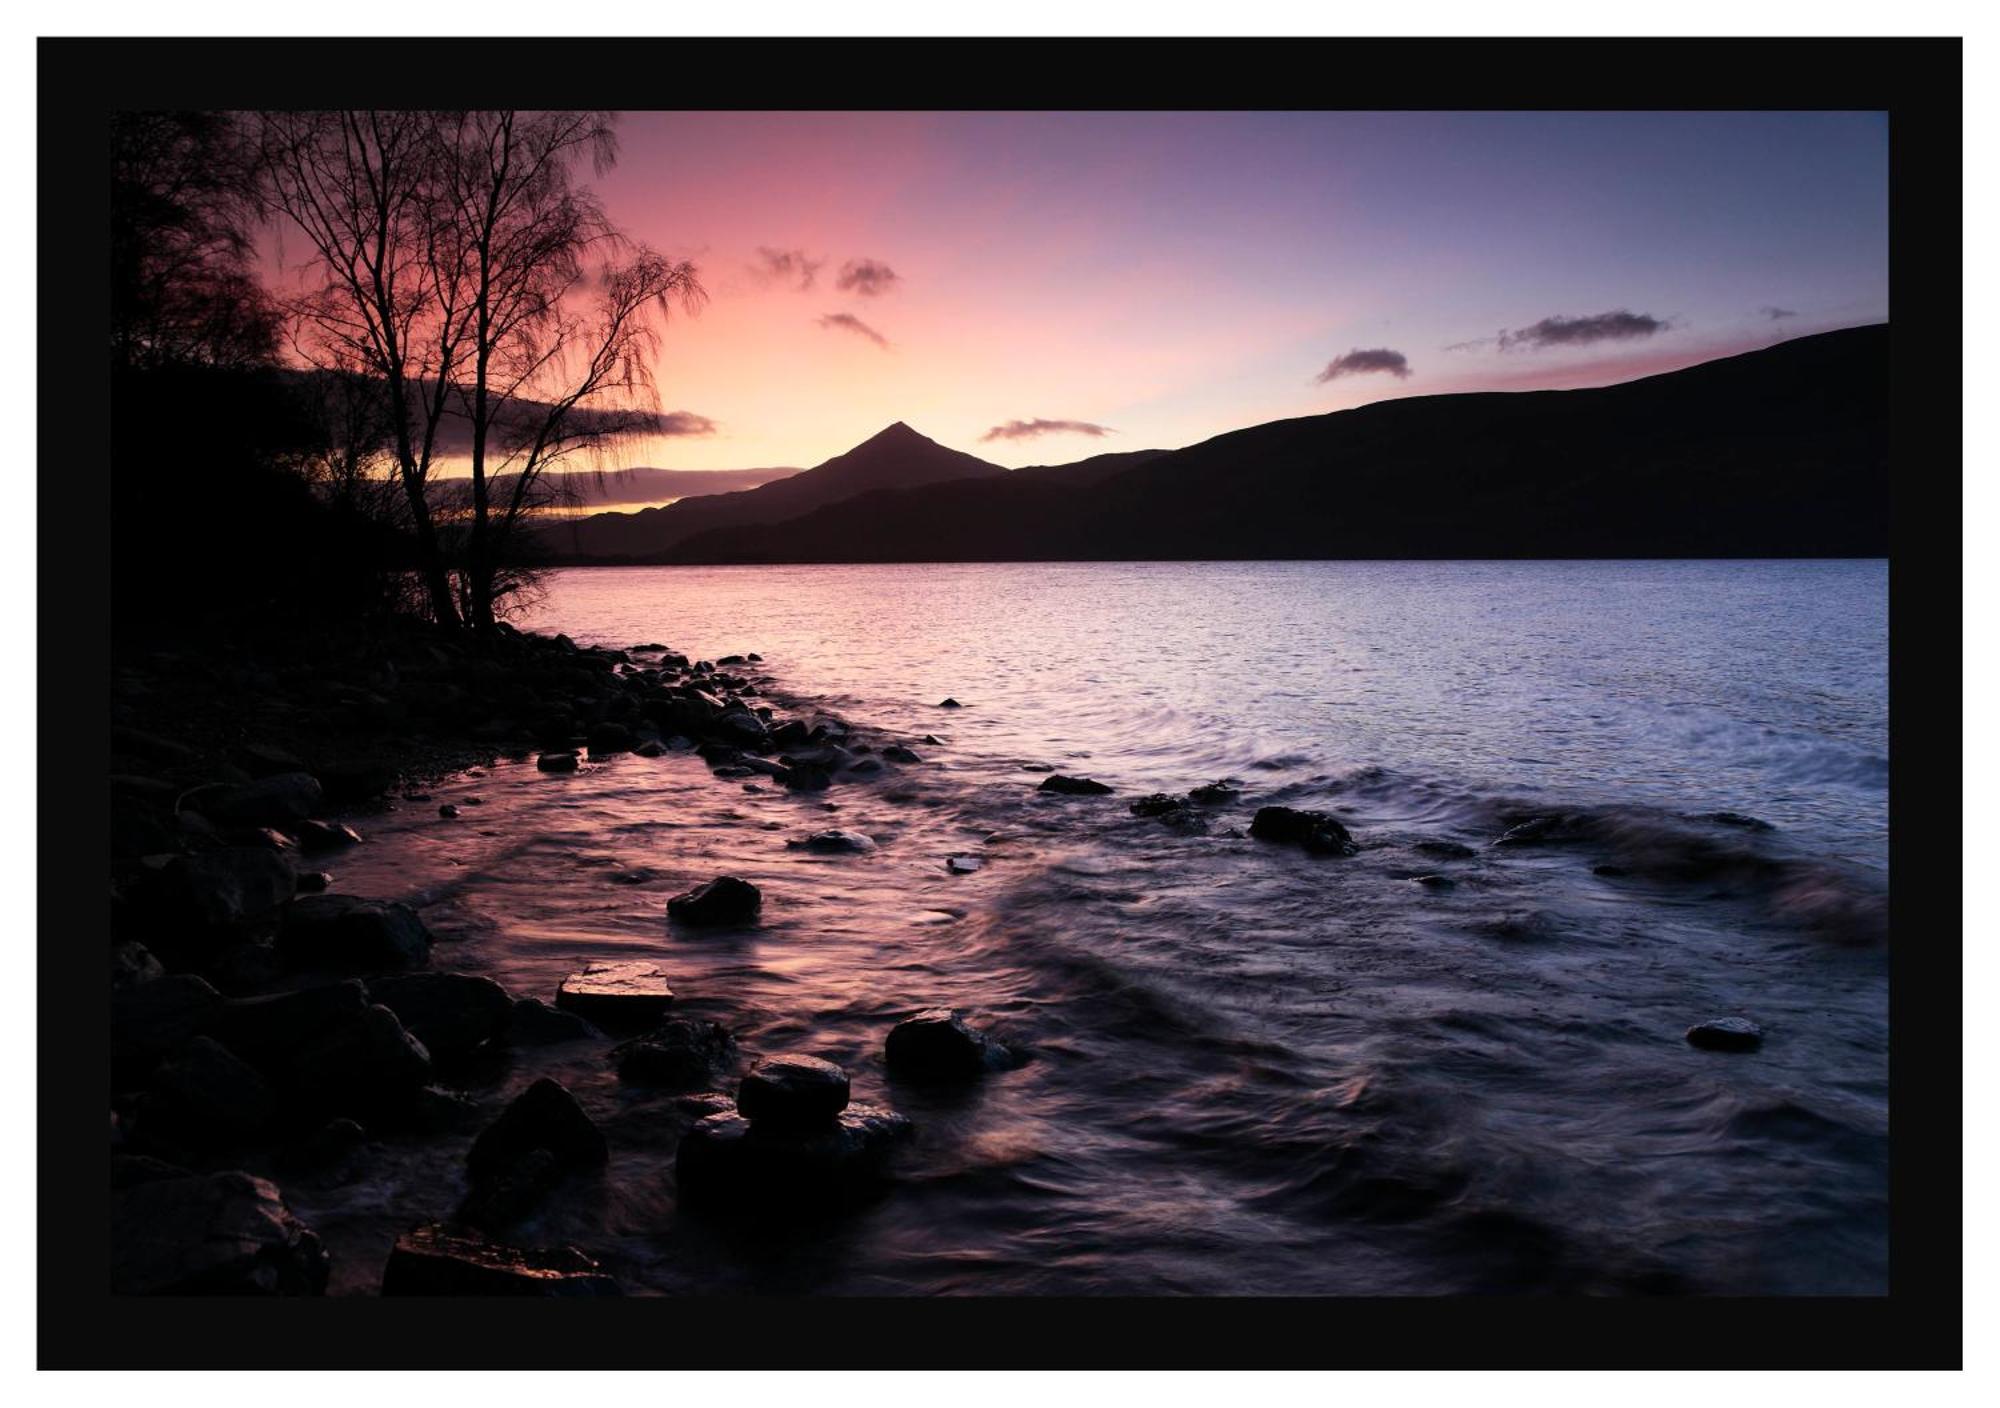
[727, 1162]
[563, 761]
[723, 900]
[1445, 850]
[897, 753]
[315, 837]
[630, 992]
[834, 842]
[793, 1092]
[448, 812]
[352, 934]
[1737, 820]
[949, 703]
[1072, 786]
[223, 1234]
[1726, 1034]
[439, 1260]
[683, 1054]
[937, 1045]
[1318, 832]
[1212, 794]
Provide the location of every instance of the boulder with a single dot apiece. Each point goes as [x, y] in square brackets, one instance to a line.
[1213, 794]
[609, 737]
[563, 761]
[938, 1046]
[1737, 820]
[511, 1189]
[949, 703]
[793, 1092]
[267, 760]
[1318, 832]
[222, 890]
[153, 1019]
[723, 900]
[1726, 1034]
[456, 1261]
[650, 748]
[133, 964]
[1445, 850]
[448, 812]
[626, 994]
[726, 1162]
[361, 1063]
[535, 1023]
[206, 1093]
[452, 1014]
[683, 1054]
[544, 1116]
[269, 1031]
[223, 1234]
[351, 934]
[897, 753]
[1156, 804]
[330, 1149]
[1072, 786]
[278, 800]
[834, 842]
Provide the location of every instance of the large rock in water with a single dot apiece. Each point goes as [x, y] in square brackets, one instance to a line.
[621, 994]
[725, 1161]
[544, 1116]
[350, 934]
[224, 1234]
[1319, 833]
[723, 900]
[793, 1092]
[682, 1054]
[1726, 1034]
[270, 801]
[446, 1261]
[450, 1013]
[1072, 786]
[535, 1023]
[937, 1045]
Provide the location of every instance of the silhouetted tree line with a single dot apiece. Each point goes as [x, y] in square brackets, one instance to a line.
[277, 452]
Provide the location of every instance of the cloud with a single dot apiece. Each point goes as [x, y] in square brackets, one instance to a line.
[680, 423]
[867, 277]
[1365, 359]
[1558, 331]
[850, 323]
[786, 266]
[1028, 429]
[1774, 313]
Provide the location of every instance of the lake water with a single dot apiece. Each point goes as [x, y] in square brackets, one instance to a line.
[1249, 1070]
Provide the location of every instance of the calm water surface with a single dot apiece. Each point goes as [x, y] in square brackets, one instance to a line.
[1250, 1071]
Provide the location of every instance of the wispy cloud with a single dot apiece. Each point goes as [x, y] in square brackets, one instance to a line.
[1028, 429]
[849, 323]
[1620, 325]
[1363, 360]
[680, 423]
[786, 266]
[1774, 313]
[867, 277]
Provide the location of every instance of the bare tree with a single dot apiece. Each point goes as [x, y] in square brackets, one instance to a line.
[363, 188]
[562, 315]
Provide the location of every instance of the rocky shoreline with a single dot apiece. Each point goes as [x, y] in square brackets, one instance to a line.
[262, 1029]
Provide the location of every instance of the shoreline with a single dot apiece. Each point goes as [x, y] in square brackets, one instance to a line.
[265, 1024]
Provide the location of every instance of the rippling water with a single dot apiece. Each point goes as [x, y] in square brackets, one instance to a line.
[1250, 1071]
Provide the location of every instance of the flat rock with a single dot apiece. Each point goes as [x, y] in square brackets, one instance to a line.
[723, 900]
[439, 1260]
[1726, 1034]
[630, 992]
[793, 1092]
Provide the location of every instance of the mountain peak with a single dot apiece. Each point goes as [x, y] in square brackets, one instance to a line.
[898, 432]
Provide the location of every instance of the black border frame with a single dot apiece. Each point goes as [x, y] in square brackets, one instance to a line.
[1917, 1325]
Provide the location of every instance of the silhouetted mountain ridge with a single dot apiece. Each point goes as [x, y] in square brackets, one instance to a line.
[1782, 452]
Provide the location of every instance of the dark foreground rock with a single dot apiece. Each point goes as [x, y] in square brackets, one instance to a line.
[452, 1014]
[1726, 1034]
[1072, 786]
[793, 1092]
[683, 1054]
[206, 1093]
[223, 1234]
[628, 994]
[349, 934]
[1445, 850]
[535, 1023]
[270, 801]
[727, 1163]
[564, 761]
[1318, 832]
[723, 900]
[938, 1046]
[456, 1261]
[1213, 794]
[544, 1116]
